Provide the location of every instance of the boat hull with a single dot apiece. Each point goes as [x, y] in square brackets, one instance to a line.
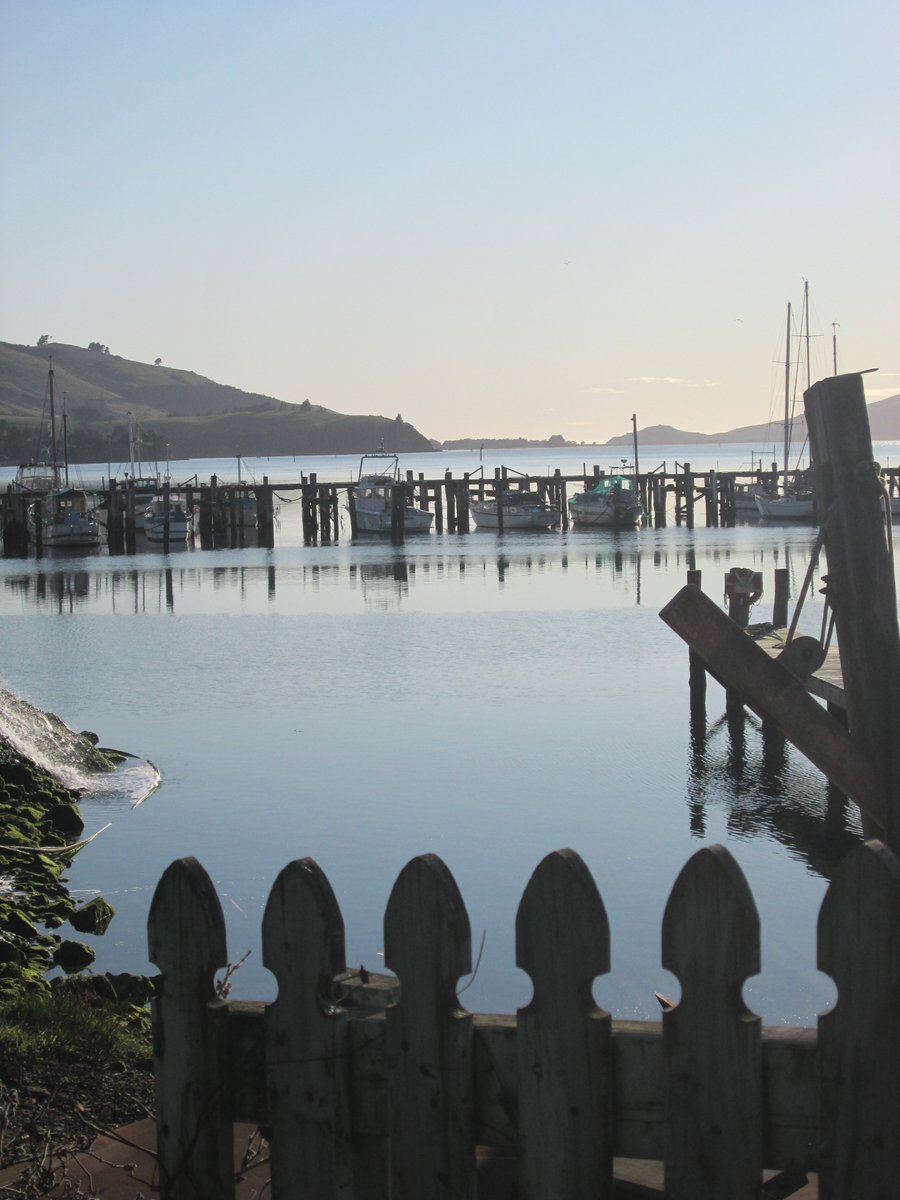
[515, 516]
[415, 520]
[785, 508]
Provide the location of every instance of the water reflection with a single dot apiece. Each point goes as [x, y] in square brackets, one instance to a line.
[743, 765]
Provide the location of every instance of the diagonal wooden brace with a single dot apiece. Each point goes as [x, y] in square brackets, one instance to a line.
[775, 694]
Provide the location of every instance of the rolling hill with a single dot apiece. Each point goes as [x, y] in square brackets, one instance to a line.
[193, 415]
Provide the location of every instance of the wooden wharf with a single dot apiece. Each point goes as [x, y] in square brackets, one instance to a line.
[682, 494]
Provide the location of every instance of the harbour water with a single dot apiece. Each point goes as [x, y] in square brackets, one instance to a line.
[486, 698]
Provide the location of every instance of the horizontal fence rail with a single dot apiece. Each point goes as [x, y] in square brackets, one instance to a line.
[392, 1100]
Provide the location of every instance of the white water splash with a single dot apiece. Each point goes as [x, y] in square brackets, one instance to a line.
[60, 751]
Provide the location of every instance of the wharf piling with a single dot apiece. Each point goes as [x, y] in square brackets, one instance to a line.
[220, 508]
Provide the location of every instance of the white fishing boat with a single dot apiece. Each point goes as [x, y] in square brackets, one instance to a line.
[379, 474]
[791, 500]
[66, 519]
[612, 503]
[179, 519]
[521, 508]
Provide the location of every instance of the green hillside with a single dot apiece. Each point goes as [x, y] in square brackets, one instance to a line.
[193, 415]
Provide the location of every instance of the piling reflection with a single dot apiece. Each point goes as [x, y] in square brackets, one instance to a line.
[744, 765]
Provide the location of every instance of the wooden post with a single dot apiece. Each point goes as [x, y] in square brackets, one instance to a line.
[696, 665]
[451, 502]
[398, 513]
[39, 526]
[351, 509]
[782, 593]
[860, 578]
[438, 510]
[462, 505]
[688, 496]
[499, 493]
[130, 538]
[166, 516]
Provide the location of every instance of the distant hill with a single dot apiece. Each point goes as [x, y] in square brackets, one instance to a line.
[884, 423]
[193, 415]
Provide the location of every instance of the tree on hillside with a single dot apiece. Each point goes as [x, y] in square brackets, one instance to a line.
[43, 339]
[99, 347]
[157, 362]
[305, 406]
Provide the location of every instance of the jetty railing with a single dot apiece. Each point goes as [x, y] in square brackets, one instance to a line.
[392, 1102]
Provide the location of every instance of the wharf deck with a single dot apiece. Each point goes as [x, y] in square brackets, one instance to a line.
[827, 683]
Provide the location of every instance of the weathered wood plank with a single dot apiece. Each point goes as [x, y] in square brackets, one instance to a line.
[711, 1041]
[303, 947]
[427, 943]
[186, 940]
[565, 1092]
[859, 1039]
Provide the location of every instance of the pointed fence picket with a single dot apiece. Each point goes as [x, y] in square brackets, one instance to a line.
[376, 1103]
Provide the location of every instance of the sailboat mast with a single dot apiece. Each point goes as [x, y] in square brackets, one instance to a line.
[806, 321]
[131, 442]
[53, 452]
[787, 392]
[834, 326]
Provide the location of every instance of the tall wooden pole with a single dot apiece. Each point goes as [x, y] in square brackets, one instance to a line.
[860, 578]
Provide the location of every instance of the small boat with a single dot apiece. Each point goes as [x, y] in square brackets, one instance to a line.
[792, 503]
[379, 473]
[521, 508]
[66, 519]
[180, 523]
[612, 503]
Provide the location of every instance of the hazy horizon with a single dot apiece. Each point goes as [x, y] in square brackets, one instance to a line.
[502, 220]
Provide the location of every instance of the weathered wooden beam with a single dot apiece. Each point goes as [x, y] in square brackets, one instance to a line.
[860, 579]
[775, 694]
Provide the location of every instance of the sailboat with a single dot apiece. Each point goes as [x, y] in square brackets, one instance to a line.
[63, 515]
[792, 502]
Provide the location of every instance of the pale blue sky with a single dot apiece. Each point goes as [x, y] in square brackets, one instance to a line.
[494, 218]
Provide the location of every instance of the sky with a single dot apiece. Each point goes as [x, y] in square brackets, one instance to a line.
[495, 218]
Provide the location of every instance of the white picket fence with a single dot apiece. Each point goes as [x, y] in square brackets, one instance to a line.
[364, 1104]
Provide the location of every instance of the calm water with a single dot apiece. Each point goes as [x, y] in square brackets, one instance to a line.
[488, 699]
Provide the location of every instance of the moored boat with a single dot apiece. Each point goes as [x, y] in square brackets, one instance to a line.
[66, 519]
[612, 503]
[521, 508]
[793, 500]
[379, 474]
[179, 519]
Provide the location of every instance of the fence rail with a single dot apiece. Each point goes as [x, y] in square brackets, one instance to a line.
[366, 1103]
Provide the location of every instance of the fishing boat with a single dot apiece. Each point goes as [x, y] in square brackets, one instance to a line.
[66, 519]
[793, 500]
[379, 473]
[521, 508]
[612, 503]
[179, 519]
